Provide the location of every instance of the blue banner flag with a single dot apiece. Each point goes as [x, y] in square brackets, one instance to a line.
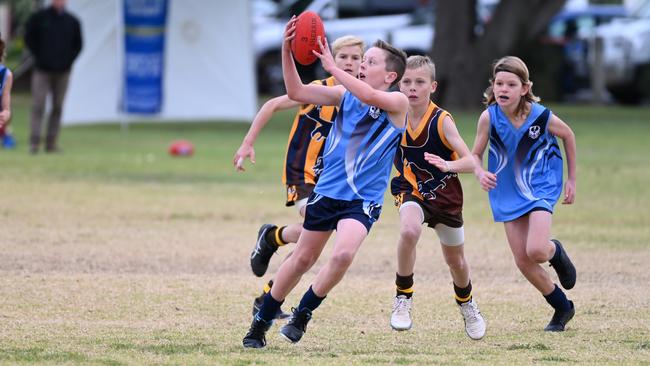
[144, 44]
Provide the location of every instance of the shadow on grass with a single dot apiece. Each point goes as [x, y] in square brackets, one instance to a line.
[169, 348]
[39, 355]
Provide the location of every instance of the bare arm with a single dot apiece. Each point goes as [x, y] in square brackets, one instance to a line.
[486, 179]
[261, 119]
[395, 103]
[296, 90]
[560, 129]
[5, 102]
[465, 163]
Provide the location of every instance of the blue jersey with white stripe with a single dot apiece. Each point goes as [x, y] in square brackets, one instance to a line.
[527, 162]
[358, 153]
[4, 71]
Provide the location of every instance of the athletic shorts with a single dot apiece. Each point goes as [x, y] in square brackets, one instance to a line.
[324, 213]
[432, 214]
[297, 192]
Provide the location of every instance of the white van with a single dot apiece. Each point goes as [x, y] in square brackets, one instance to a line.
[626, 55]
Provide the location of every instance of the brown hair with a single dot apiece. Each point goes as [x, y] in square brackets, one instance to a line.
[395, 59]
[417, 61]
[346, 41]
[516, 66]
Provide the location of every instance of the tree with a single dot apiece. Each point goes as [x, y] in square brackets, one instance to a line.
[464, 59]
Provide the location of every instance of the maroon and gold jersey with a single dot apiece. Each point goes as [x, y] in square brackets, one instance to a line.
[415, 176]
[303, 162]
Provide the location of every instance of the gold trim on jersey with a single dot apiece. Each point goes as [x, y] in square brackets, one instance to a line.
[325, 113]
[423, 122]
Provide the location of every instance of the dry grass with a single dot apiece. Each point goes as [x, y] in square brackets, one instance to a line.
[112, 271]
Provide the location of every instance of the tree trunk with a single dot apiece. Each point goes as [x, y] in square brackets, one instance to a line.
[464, 60]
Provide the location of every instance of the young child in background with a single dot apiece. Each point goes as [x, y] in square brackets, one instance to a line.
[524, 179]
[6, 81]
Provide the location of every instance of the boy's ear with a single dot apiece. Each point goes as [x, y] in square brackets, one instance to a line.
[434, 86]
[390, 77]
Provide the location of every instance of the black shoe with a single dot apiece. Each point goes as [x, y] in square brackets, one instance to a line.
[261, 254]
[257, 304]
[297, 326]
[560, 318]
[256, 336]
[566, 271]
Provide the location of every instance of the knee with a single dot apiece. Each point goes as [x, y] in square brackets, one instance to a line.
[342, 259]
[301, 262]
[537, 254]
[456, 262]
[56, 110]
[38, 108]
[410, 233]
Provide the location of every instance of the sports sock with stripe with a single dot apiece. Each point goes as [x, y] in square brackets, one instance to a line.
[463, 294]
[404, 285]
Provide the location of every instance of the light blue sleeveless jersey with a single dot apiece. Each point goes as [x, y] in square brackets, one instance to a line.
[4, 71]
[527, 162]
[359, 153]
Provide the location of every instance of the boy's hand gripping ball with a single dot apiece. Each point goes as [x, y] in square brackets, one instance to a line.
[309, 26]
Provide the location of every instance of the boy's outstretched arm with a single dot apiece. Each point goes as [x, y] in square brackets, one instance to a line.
[465, 162]
[558, 128]
[261, 119]
[296, 90]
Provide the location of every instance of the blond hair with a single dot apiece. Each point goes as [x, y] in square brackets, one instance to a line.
[417, 61]
[516, 66]
[346, 41]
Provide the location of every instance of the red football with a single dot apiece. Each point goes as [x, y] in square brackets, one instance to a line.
[181, 148]
[308, 27]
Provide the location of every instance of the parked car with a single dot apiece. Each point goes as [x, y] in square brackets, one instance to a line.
[573, 29]
[626, 55]
[411, 32]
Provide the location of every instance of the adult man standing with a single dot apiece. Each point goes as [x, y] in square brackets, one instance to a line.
[54, 38]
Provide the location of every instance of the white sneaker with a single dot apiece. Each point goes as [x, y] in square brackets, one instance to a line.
[474, 322]
[400, 319]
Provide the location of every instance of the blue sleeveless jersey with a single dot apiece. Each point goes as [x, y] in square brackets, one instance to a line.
[3, 78]
[527, 162]
[359, 153]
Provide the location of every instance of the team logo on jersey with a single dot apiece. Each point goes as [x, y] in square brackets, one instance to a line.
[533, 131]
[374, 112]
[318, 167]
[372, 210]
[320, 131]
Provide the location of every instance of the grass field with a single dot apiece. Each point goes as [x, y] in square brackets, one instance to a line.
[115, 253]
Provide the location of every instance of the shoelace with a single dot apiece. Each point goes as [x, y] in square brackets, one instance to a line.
[300, 319]
[401, 305]
[471, 311]
[257, 330]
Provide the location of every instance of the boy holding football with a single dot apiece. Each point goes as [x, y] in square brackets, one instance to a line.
[356, 166]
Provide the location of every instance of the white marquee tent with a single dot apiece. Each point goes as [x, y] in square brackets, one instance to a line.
[208, 71]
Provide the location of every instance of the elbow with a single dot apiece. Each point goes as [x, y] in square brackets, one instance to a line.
[296, 94]
[292, 93]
